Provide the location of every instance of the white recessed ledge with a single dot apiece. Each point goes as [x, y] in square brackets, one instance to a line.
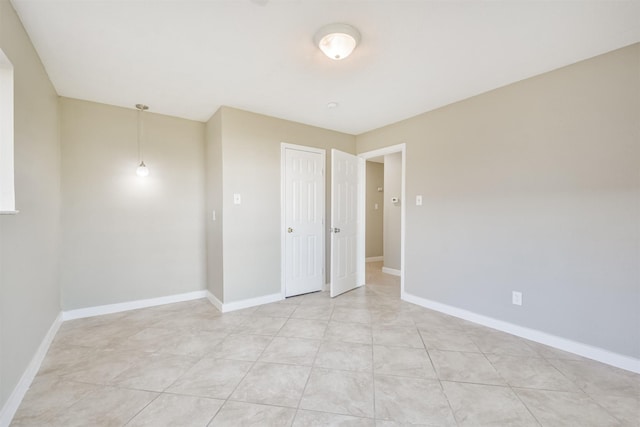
[9, 212]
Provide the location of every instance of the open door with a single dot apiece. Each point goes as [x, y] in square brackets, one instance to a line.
[347, 251]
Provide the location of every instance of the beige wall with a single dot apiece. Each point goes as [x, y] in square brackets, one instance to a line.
[251, 232]
[392, 211]
[29, 241]
[374, 217]
[124, 237]
[532, 187]
[213, 201]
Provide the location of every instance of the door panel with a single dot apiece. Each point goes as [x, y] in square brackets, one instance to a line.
[304, 221]
[345, 228]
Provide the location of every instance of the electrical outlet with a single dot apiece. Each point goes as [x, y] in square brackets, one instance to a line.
[516, 298]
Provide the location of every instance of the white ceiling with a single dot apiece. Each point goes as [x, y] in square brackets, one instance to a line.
[186, 58]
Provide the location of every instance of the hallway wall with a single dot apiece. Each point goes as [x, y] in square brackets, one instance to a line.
[374, 217]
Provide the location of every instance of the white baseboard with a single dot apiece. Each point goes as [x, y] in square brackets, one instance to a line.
[374, 259]
[392, 271]
[215, 301]
[245, 303]
[601, 355]
[13, 403]
[131, 305]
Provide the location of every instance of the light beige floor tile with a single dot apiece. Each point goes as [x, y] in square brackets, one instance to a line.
[240, 414]
[339, 392]
[346, 356]
[144, 350]
[598, 378]
[412, 400]
[448, 340]
[625, 408]
[311, 312]
[295, 351]
[351, 314]
[558, 408]
[349, 332]
[174, 410]
[193, 343]
[103, 336]
[479, 405]
[405, 362]
[155, 372]
[214, 378]
[530, 373]
[275, 310]
[64, 359]
[147, 340]
[241, 347]
[145, 317]
[429, 319]
[186, 320]
[553, 353]
[107, 406]
[273, 384]
[464, 367]
[322, 419]
[304, 328]
[48, 396]
[402, 337]
[387, 317]
[260, 325]
[496, 342]
[316, 299]
[103, 366]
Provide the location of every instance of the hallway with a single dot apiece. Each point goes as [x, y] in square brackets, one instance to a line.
[365, 358]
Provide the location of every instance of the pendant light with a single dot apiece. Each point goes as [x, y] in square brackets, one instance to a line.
[142, 169]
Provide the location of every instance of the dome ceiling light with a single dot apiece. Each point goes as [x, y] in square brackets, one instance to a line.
[337, 41]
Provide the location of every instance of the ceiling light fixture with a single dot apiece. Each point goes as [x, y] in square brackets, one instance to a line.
[337, 41]
[142, 169]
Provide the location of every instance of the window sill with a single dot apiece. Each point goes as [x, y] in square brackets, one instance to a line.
[9, 212]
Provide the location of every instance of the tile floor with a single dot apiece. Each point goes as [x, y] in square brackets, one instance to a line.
[362, 359]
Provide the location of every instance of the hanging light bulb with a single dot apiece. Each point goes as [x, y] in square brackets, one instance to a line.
[142, 169]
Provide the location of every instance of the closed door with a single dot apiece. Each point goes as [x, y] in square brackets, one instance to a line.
[303, 233]
[347, 253]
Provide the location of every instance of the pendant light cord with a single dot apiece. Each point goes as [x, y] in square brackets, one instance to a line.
[140, 135]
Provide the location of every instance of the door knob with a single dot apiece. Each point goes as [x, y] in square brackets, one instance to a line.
[336, 230]
[289, 230]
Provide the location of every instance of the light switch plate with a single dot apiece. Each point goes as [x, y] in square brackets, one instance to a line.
[418, 200]
[237, 199]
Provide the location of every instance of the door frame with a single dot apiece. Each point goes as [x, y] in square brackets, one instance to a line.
[283, 147]
[398, 148]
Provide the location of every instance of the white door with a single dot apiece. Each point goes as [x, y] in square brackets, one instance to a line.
[303, 220]
[346, 250]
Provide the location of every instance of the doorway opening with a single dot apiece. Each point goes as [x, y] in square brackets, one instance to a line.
[392, 154]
